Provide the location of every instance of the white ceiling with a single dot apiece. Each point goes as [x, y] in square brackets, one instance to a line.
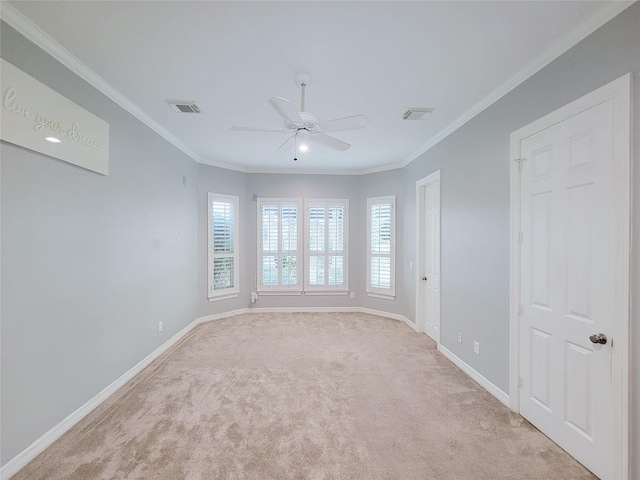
[373, 58]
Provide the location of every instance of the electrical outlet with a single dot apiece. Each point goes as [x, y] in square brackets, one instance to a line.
[476, 348]
[159, 326]
[352, 294]
[459, 337]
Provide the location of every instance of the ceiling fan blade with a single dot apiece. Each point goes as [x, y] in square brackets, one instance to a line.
[346, 123]
[286, 109]
[287, 144]
[330, 141]
[253, 129]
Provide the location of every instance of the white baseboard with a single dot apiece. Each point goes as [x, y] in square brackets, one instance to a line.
[303, 309]
[219, 316]
[479, 378]
[36, 448]
[241, 311]
[379, 313]
[394, 316]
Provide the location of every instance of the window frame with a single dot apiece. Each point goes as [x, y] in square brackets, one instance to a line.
[387, 293]
[326, 289]
[280, 289]
[234, 291]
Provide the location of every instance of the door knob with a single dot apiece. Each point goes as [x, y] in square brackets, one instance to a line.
[424, 278]
[600, 338]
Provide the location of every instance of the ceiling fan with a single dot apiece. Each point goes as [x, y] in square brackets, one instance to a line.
[304, 125]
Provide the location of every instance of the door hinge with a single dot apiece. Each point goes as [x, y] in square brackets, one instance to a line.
[519, 382]
[519, 162]
[520, 237]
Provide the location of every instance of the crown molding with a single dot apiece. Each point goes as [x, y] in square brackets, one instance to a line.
[35, 34]
[293, 171]
[384, 168]
[226, 166]
[601, 16]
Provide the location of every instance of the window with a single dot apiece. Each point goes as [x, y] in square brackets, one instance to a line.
[223, 246]
[279, 242]
[381, 225]
[281, 262]
[326, 260]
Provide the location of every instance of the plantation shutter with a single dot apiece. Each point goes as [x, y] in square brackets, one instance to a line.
[327, 245]
[223, 244]
[278, 252]
[380, 276]
[381, 246]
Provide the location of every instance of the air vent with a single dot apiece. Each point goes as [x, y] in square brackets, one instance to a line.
[416, 113]
[184, 107]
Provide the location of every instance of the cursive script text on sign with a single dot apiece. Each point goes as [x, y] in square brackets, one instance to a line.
[43, 122]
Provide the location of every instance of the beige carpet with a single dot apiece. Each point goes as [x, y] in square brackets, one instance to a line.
[303, 396]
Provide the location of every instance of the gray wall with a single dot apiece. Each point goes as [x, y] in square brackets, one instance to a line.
[90, 263]
[475, 203]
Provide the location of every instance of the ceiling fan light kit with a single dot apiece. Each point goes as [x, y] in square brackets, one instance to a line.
[306, 125]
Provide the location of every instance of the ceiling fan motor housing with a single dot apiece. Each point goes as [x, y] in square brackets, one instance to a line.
[309, 124]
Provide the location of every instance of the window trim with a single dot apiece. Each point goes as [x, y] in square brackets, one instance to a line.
[233, 292]
[279, 289]
[325, 289]
[386, 293]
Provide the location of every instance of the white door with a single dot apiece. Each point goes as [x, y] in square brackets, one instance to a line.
[429, 245]
[569, 254]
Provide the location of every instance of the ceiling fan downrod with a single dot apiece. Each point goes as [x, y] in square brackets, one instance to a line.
[303, 80]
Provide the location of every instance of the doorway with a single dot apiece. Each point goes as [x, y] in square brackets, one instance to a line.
[428, 255]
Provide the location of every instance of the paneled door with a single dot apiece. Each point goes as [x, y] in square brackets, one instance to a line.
[571, 240]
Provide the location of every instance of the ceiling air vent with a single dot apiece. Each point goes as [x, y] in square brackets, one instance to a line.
[184, 107]
[416, 113]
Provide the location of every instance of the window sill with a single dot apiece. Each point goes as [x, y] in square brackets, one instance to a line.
[226, 296]
[384, 296]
